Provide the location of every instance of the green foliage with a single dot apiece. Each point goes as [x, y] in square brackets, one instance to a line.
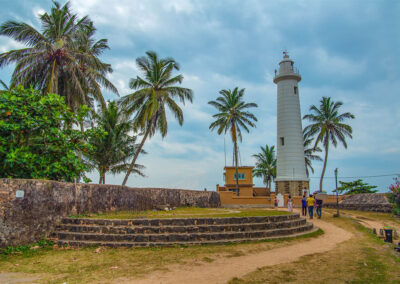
[156, 92]
[37, 137]
[265, 165]
[355, 187]
[327, 124]
[61, 57]
[394, 195]
[233, 115]
[113, 151]
[23, 249]
[309, 152]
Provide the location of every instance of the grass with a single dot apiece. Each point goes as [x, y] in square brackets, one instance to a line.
[90, 265]
[184, 212]
[362, 259]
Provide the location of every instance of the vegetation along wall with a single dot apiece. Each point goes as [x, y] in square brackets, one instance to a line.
[30, 209]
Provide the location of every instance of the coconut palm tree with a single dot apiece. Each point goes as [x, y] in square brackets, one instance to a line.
[155, 92]
[113, 150]
[309, 152]
[233, 115]
[327, 124]
[265, 165]
[4, 85]
[53, 61]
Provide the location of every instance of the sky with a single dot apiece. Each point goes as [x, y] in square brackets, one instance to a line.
[346, 50]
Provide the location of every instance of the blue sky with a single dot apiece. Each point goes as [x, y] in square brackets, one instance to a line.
[348, 50]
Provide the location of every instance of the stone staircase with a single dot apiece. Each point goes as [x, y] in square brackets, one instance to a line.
[185, 231]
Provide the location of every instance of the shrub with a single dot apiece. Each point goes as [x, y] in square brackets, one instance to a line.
[394, 195]
[37, 136]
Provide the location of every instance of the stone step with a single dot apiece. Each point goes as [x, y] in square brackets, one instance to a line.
[101, 229]
[82, 243]
[181, 237]
[179, 221]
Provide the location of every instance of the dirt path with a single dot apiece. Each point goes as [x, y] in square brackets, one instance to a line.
[224, 269]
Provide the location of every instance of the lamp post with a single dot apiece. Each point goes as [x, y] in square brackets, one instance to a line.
[337, 195]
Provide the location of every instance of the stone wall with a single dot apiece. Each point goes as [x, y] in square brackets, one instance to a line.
[293, 187]
[376, 202]
[24, 220]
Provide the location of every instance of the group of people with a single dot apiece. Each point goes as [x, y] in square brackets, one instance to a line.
[308, 204]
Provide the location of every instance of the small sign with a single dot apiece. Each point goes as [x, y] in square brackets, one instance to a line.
[19, 194]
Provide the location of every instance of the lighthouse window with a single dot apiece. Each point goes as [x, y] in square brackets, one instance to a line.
[295, 90]
[282, 141]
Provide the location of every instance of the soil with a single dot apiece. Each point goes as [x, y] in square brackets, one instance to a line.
[224, 269]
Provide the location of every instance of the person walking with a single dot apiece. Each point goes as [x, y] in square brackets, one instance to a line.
[304, 206]
[275, 202]
[290, 204]
[318, 206]
[310, 204]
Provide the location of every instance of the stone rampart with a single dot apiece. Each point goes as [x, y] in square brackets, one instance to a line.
[26, 219]
[375, 202]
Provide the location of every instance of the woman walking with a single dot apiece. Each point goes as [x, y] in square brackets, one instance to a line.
[290, 204]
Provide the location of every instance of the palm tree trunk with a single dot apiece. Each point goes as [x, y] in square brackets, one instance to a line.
[80, 153]
[324, 168]
[49, 88]
[236, 165]
[136, 156]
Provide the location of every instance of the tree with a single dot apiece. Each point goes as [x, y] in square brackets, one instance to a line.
[394, 195]
[309, 153]
[355, 187]
[327, 124]
[155, 92]
[54, 61]
[232, 115]
[113, 150]
[265, 165]
[37, 140]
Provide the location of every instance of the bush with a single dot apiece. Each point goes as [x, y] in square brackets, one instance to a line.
[37, 136]
[394, 195]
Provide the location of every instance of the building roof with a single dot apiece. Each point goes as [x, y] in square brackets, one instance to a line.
[242, 167]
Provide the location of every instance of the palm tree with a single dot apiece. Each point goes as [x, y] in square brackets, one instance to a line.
[265, 165]
[232, 116]
[53, 61]
[4, 85]
[113, 150]
[328, 125]
[309, 152]
[155, 92]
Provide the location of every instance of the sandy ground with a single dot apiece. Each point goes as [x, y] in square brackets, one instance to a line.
[224, 269]
[11, 278]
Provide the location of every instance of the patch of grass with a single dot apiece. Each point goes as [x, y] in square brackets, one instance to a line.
[184, 212]
[86, 265]
[207, 259]
[27, 250]
[363, 259]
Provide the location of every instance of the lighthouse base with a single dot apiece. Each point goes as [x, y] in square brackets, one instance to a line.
[292, 187]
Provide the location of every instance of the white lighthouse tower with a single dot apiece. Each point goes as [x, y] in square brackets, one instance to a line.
[291, 175]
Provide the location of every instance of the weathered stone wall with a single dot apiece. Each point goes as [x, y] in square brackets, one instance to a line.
[376, 202]
[24, 220]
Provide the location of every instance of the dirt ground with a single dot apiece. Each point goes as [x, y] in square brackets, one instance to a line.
[224, 269]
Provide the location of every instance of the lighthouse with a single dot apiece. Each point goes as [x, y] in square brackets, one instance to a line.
[291, 175]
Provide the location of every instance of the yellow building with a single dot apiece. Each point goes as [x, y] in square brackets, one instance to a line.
[248, 194]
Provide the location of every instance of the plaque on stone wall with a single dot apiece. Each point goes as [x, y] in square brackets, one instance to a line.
[19, 194]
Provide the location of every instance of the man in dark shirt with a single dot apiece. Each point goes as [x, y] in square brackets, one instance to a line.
[304, 206]
[318, 206]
